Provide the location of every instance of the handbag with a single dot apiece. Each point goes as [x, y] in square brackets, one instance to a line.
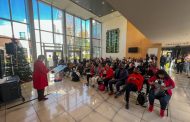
[101, 87]
[141, 98]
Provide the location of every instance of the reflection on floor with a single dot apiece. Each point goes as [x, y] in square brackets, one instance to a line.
[74, 102]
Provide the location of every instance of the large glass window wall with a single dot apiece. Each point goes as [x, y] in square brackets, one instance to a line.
[14, 24]
[53, 27]
[96, 38]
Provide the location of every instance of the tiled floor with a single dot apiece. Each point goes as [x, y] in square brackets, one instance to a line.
[74, 102]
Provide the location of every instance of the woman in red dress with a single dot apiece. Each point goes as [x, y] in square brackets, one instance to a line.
[40, 80]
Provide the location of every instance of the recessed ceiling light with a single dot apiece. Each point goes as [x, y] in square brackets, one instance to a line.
[77, 1]
[103, 2]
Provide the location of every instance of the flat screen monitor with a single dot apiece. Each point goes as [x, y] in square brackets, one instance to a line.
[133, 49]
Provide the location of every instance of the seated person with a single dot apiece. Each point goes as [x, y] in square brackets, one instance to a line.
[130, 68]
[133, 83]
[120, 80]
[61, 62]
[98, 74]
[161, 85]
[80, 69]
[109, 75]
[141, 68]
[151, 71]
[91, 73]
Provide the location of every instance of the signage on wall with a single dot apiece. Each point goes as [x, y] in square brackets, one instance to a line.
[177, 44]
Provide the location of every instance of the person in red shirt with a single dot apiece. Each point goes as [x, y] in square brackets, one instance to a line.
[109, 75]
[151, 71]
[40, 80]
[161, 84]
[133, 83]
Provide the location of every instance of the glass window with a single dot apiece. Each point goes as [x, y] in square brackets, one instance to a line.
[83, 29]
[88, 29]
[38, 48]
[112, 41]
[83, 40]
[4, 9]
[45, 17]
[25, 44]
[58, 38]
[46, 37]
[86, 52]
[5, 27]
[87, 42]
[96, 52]
[94, 29]
[18, 10]
[78, 41]
[77, 27]
[70, 40]
[37, 35]
[99, 30]
[35, 11]
[96, 42]
[69, 24]
[20, 30]
[57, 20]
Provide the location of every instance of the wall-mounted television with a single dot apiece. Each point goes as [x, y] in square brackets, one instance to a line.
[133, 50]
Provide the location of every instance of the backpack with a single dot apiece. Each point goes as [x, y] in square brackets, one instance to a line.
[141, 98]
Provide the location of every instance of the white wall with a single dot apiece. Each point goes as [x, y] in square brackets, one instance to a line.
[117, 22]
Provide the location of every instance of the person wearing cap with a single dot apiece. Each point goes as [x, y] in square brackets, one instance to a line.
[120, 80]
[133, 83]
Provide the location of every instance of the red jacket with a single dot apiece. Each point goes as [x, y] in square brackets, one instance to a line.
[92, 70]
[153, 69]
[138, 80]
[40, 80]
[109, 73]
[100, 71]
[168, 82]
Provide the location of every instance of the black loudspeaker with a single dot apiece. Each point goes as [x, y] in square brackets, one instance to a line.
[10, 90]
[10, 48]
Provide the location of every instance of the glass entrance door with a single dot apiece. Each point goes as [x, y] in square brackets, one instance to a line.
[53, 57]
[74, 53]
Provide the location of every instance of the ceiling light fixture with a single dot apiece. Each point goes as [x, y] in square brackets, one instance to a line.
[112, 10]
[103, 2]
[77, 1]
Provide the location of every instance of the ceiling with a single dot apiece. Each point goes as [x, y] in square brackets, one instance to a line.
[72, 8]
[83, 8]
[98, 7]
[158, 20]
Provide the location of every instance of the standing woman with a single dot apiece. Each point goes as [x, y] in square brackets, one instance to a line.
[40, 80]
